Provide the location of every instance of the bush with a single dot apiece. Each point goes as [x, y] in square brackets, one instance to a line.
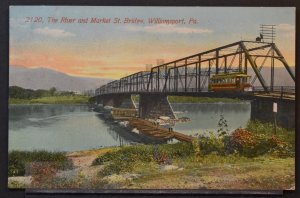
[250, 144]
[125, 159]
[267, 128]
[18, 160]
[211, 144]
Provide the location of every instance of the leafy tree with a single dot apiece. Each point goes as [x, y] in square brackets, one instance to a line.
[52, 91]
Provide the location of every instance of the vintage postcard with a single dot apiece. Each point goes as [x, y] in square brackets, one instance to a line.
[151, 97]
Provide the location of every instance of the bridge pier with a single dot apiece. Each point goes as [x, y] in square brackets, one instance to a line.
[155, 105]
[116, 100]
[262, 109]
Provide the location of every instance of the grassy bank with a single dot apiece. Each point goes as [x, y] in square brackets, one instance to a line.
[241, 160]
[251, 158]
[76, 99]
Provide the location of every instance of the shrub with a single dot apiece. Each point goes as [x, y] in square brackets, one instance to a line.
[211, 144]
[17, 160]
[161, 157]
[267, 128]
[42, 174]
[281, 148]
[250, 144]
[125, 159]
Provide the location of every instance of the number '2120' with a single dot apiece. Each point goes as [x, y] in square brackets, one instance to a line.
[33, 19]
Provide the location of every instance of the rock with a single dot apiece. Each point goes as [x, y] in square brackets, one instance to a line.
[114, 179]
[117, 179]
[168, 167]
[165, 118]
[131, 176]
[20, 179]
[135, 130]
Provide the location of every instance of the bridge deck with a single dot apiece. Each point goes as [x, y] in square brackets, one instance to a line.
[148, 128]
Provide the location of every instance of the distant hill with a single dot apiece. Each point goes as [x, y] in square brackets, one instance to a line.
[42, 78]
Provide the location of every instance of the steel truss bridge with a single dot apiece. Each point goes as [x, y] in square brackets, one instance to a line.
[191, 74]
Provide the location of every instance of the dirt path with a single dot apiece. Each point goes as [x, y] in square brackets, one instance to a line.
[86, 158]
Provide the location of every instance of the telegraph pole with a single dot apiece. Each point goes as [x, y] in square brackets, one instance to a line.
[267, 32]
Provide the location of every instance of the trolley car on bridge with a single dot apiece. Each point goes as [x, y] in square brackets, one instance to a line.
[230, 82]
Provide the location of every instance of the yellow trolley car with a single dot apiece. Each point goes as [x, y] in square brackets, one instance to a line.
[230, 82]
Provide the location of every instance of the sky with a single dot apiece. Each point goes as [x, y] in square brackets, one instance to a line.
[114, 50]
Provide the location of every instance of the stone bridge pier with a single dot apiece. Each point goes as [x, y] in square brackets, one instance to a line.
[150, 105]
[117, 100]
[262, 109]
[155, 105]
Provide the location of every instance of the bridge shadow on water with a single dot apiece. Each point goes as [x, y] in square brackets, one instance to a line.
[124, 134]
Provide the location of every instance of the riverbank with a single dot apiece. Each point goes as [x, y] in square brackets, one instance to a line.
[243, 160]
[74, 99]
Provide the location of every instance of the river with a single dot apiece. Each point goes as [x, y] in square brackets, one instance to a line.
[78, 127]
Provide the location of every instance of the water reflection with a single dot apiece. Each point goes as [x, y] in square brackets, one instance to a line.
[78, 127]
[124, 135]
[205, 117]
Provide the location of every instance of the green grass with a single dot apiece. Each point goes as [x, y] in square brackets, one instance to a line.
[191, 99]
[18, 101]
[214, 171]
[77, 99]
[221, 172]
[18, 160]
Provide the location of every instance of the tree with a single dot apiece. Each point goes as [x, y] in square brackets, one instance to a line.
[52, 91]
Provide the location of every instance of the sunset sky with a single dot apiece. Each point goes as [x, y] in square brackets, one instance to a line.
[114, 50]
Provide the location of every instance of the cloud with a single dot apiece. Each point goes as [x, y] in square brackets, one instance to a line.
[164, 28]
[57, 33]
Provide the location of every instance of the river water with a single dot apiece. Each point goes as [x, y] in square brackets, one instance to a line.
[77, 127]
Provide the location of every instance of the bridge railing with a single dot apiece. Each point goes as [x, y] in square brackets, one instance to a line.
[280, 91]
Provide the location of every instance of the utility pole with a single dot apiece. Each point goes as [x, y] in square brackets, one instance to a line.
[267, 32]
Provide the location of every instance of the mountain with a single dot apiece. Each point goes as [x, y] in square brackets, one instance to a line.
[42, 78]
